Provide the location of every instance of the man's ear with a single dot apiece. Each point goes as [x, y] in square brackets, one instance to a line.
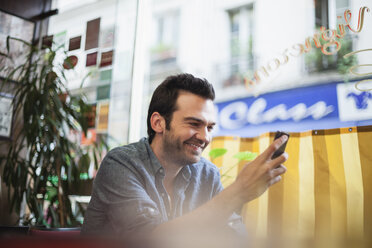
[157, 122]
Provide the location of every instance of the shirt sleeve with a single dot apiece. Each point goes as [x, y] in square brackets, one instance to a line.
[235, 222]
[119, 203]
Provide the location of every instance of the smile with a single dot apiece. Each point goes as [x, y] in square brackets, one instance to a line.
[195, 146]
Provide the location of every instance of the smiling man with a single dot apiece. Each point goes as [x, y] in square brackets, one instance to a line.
[161, 185]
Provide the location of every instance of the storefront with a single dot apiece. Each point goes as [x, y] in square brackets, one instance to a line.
[324, 106]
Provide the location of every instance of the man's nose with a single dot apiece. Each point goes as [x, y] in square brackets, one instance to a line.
[204, 135]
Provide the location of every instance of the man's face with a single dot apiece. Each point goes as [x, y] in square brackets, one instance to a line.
[190, 129]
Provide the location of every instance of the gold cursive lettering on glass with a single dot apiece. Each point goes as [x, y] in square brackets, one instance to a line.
[352, 71]
[330, 46]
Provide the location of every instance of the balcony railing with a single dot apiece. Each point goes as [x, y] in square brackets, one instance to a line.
[233, 72]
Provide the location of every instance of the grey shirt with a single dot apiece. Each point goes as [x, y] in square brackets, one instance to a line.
[128, 193]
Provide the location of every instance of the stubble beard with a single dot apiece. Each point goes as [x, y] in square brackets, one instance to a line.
[177, 151]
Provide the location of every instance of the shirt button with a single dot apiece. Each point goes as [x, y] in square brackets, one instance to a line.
[168, 214]
[151, 210]
[163, 194]
[161, 170]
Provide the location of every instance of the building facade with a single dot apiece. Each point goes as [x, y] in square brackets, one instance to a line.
[268, 60]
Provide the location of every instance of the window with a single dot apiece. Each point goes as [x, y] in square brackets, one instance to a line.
[165, 38]
[326, 15]
[241, 44]
[321, 13]
[326, 11]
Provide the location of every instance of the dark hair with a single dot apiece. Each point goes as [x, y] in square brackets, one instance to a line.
[165, 96]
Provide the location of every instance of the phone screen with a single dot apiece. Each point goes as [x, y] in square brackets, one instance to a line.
[281, 149]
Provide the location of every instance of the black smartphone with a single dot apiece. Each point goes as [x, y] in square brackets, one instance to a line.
[281, 149]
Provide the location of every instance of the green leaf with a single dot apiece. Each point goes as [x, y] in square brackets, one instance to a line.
[4, 55]
[217, 152]
[51, 192]
[95, 160]
[84, 163]
[53, 179]
[245, 156]
[7, 43]
[54, 216]
[20, 40]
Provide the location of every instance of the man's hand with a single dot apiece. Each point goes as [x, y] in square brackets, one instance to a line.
[257, 176]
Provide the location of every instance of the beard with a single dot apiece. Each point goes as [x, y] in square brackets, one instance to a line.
[178, 150]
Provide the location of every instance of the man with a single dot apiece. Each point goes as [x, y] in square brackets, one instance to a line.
[162, 185]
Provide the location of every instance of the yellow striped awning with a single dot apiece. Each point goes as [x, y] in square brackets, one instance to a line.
[326, 191]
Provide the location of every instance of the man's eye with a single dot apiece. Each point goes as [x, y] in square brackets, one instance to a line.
[210, 128]
[194, 124]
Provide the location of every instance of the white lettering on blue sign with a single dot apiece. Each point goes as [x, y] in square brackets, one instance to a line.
[256, 114]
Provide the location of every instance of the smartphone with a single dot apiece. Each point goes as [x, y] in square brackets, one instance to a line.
[281, 149]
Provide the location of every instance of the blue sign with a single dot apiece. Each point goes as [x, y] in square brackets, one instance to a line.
[295, 110]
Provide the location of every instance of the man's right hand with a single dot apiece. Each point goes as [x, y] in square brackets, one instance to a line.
[257, 176]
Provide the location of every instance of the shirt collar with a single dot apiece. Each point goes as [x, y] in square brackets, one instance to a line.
[186, 172]
[156, 166]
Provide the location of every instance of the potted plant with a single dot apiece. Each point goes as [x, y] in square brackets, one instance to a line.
[43, 165]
